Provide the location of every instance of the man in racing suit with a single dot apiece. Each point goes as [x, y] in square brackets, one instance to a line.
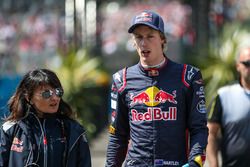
[158, 113]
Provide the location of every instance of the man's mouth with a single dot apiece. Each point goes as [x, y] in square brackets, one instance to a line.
[145, 52]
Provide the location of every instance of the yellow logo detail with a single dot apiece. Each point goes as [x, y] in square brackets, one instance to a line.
[152, 91]
[111, 129]
[198, 160]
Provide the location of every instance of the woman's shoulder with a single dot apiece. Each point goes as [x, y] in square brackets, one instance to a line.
[8, 125]
[9, 128]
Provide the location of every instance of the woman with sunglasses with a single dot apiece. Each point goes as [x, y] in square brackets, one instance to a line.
[40, 130]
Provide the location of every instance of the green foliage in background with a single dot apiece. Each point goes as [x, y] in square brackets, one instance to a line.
[218, 68]
[85, 83]
[79, 69]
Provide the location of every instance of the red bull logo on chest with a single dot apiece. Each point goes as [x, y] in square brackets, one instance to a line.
[153, 96]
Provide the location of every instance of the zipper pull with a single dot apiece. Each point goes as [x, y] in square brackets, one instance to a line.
[45, 140]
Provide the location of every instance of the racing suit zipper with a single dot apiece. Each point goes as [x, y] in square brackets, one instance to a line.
[64, 138]
[45, 143]
[153, 82]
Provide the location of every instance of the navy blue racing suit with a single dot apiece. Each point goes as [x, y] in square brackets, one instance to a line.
[158, 117]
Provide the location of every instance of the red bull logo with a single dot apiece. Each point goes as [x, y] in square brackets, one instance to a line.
[153, 96]
[145, 14]
[17, 145]
[145, 17]
[163, 96]
[140, 98]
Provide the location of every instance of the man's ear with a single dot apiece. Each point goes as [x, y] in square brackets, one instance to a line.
[237, 67]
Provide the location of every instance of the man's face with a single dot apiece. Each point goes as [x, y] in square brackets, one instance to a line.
[242, 66]
[148, 43]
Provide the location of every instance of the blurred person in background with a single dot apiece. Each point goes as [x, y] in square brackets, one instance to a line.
[229, 119]
[158, 113]
[40, 130]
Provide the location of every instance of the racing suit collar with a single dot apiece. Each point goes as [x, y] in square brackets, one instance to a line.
[153, 72]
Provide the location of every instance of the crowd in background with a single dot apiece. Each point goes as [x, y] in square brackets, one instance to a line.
[33, 38]
[28, 40]
[116, 21]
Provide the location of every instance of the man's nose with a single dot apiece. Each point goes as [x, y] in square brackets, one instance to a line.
[143, 41]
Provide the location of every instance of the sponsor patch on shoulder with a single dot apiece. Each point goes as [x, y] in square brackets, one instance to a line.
[201, 107]
[113, 104]
[17, 145]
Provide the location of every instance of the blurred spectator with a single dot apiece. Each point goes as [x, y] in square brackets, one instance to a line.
[229, 119]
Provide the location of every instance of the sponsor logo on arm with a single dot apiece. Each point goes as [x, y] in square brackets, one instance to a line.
[17, 145]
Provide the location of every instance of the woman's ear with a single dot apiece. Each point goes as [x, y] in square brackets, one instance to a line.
[28, 99]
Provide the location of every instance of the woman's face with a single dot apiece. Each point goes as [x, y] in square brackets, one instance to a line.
[46, 99]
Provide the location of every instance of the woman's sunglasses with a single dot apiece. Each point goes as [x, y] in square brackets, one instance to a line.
[48, 93]
[246, 63]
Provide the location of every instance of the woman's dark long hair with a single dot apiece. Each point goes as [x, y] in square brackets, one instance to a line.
[18, 103]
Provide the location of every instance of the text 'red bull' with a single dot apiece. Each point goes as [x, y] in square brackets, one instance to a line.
[155, 114]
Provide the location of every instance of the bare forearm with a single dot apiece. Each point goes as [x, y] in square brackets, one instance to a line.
[212, 151]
